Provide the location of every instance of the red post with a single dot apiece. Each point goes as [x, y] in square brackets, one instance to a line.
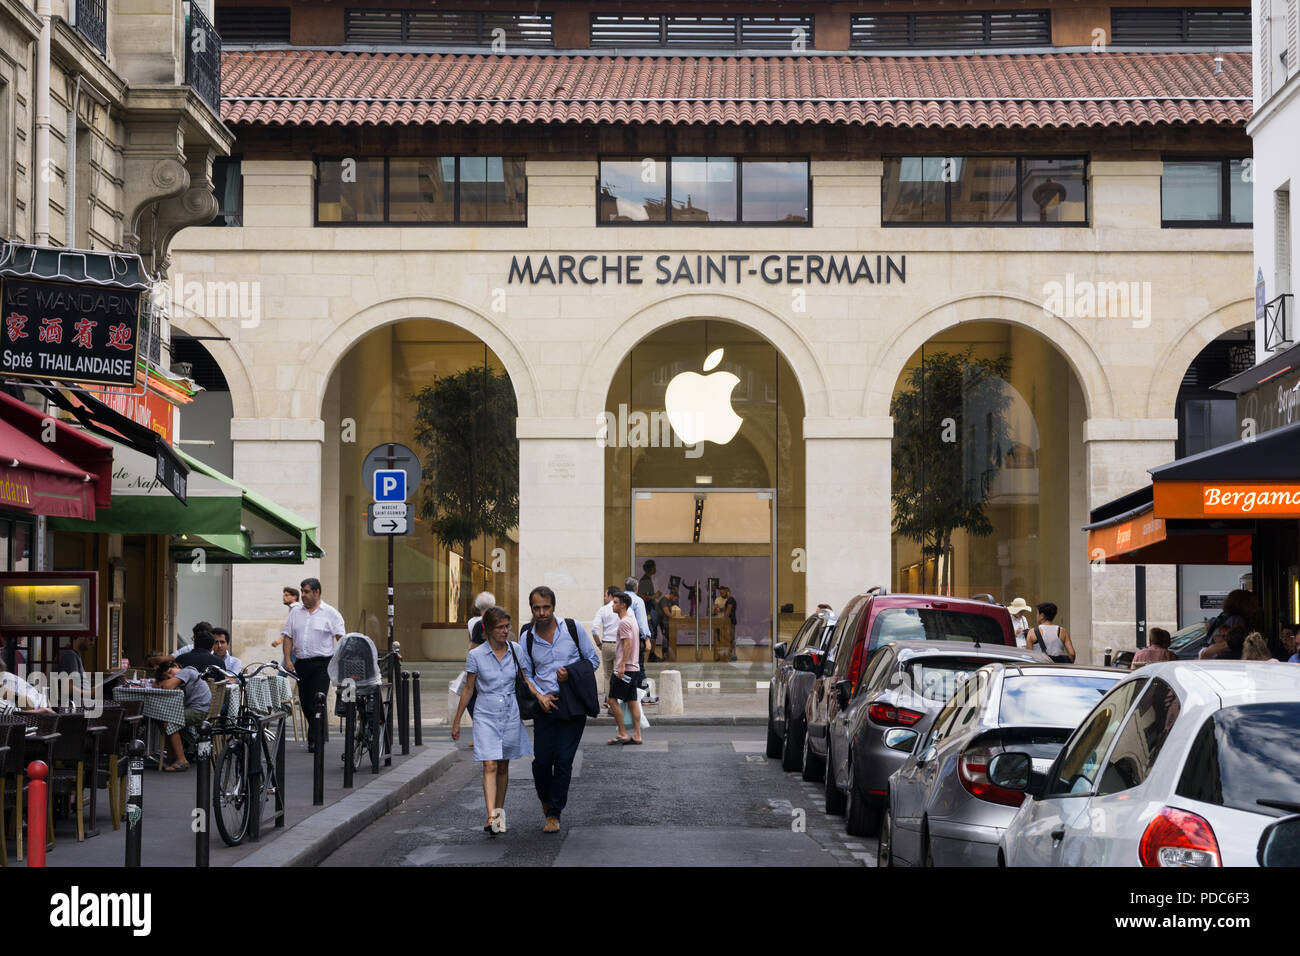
[36, 772]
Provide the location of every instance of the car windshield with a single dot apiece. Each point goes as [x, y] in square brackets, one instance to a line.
[1246, 755]
[1051, 700]
[937, 678]
[1187, 635]
[928, 624]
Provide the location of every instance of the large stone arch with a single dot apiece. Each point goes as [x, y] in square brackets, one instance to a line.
[789, 341]
[988, 307]
[316, 371]
[230, 358]
[1173, 364]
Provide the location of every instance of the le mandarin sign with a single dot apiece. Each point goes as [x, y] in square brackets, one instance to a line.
[794, 268]
[75, 332]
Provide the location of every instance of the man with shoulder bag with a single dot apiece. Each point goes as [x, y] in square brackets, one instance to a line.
[559, 662]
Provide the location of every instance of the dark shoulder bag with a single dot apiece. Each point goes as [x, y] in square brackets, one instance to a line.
[1042, 646]
[528, 705]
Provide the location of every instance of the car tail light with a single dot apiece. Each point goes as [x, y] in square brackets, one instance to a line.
[855, 663]
[973, 769]
[1178, 838]
[889, 714]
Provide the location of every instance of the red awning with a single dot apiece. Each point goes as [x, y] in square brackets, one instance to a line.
[66, 476]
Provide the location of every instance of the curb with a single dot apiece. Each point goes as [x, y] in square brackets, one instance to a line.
[307, 843]
[684, 720]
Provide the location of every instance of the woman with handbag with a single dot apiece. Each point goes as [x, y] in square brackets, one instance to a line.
[492, 670]
[1051, 639]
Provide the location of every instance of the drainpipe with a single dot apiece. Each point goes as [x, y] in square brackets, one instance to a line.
[70, 169]
[41, 225]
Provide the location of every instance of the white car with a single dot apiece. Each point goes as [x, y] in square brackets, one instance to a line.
[1181, 764]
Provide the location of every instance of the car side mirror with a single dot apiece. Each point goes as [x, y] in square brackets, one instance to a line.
[926, 755]
[900, 739]
[808, 662]
[1011, 771]
[779, 651]
[1280, 843]
[842, 690]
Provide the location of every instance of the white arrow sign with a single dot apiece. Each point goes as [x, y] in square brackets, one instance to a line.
[388, 509]
[389, 525]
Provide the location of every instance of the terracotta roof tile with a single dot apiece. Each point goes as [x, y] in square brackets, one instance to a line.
[311, 87]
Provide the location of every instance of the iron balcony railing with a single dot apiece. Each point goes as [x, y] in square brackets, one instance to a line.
[1278, 333]
[203, 56]
[91, 21]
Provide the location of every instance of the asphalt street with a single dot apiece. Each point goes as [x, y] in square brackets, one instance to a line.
[690, 796]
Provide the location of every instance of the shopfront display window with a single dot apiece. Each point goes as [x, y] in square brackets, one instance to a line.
[1206, 192]
[437, 190]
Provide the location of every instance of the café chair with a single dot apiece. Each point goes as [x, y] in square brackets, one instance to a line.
[6, 730]
[78, 745]
[106, 760]
[23, 749]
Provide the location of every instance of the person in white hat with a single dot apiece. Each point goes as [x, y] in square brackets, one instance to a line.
[1019, 619]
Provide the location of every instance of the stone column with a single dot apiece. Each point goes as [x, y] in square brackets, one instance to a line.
[561, 515]
[1119, 452]
[280, 458]
[848, 523]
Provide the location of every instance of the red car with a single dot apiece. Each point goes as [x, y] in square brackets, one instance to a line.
[875, 618]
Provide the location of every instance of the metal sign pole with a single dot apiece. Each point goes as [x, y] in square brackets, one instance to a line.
[390, 570]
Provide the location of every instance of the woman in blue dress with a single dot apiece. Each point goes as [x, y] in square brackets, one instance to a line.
[499, 734]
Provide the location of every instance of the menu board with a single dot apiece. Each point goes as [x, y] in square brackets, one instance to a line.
[50, 602]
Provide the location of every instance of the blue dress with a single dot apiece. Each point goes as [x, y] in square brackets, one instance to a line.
[499, 734]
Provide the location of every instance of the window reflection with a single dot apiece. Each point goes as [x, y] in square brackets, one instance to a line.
[633, 190]
[704, 189]
[1052, 190]
[492, 189]
[774, 191]
[350, 190]
[983, 190]
[1190, 192]
[422, 190]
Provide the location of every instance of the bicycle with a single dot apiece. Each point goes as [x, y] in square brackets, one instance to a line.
[247, 774]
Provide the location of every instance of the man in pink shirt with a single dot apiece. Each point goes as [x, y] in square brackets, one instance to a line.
[623, 681]
[1157, 649]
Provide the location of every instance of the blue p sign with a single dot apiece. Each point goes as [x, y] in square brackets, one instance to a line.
[390, 485]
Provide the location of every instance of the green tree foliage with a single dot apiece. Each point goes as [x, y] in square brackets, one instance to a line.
[950, 431]
[465, 425]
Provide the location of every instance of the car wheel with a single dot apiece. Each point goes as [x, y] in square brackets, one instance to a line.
[813, 765]
[834, 795]
[863, 816]
[885, 848]
[792, 749]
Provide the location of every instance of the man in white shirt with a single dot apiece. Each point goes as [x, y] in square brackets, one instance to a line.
[309, 636]
[604, 631]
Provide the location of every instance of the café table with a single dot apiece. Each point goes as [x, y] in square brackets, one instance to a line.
[160, 705]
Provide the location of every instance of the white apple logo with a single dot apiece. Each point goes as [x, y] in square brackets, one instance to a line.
[699, 406]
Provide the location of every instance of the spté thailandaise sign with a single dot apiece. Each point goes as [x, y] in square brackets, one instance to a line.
[69, 331]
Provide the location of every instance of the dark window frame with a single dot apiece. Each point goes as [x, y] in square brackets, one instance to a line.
[1185, 18]
[855, 43]
[807, 22]
[386, 223]
[1021, 222]
[481, 35]
[1225, 194]
[739, 159]
[238, 212]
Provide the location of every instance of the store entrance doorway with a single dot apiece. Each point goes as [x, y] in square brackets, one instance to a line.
[714, 560]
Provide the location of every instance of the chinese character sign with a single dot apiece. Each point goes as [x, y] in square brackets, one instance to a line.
[69, 331]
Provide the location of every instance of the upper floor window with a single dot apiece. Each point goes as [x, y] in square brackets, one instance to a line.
[673, 30]
[1190, 26]
[253, 24]
[421, 190]
[504, 30]
[704, 189]
[1206, 192]
[228, 187]
[968, 28]
[986, 190]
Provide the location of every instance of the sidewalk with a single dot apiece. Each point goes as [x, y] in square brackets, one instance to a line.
[310, 832]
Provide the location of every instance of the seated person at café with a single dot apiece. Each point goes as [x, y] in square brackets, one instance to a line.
[170, 675]
[221, 648]
[201, 658]
[18, 695]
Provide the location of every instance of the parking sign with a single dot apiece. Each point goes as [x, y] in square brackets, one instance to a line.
[389, 485]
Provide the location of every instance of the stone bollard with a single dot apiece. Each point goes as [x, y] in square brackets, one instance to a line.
[453, 701]
[670, 693]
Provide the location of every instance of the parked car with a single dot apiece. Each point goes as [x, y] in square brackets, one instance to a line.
[875, 618]
[796, 669]
[1186, 763]
[906, 684]
[1188, 642]
[942, 809]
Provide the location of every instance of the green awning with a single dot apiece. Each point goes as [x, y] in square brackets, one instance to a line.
[230, 522]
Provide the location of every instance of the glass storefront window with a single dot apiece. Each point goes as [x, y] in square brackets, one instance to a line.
[427, 190]
[914, 189]
[633, 190]
[982, 466]
[775, 191]
[1053, 190]
[492, 189]
[1206, 192]
[1240, 193]
[983, 189]
[720, 190]
[350, 190]
[992, 190]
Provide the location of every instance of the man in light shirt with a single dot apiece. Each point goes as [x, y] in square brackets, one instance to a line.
[309, 636]
[604, 631]
[642, 624]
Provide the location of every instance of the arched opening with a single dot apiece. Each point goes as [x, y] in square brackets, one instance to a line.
[442, 392]
[987, 467]
[704, 477]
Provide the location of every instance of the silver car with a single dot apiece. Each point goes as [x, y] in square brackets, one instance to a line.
[942, 808]
[1185, 763]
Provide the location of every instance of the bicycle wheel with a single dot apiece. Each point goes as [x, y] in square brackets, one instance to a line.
[230, 794]
[361, 739]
